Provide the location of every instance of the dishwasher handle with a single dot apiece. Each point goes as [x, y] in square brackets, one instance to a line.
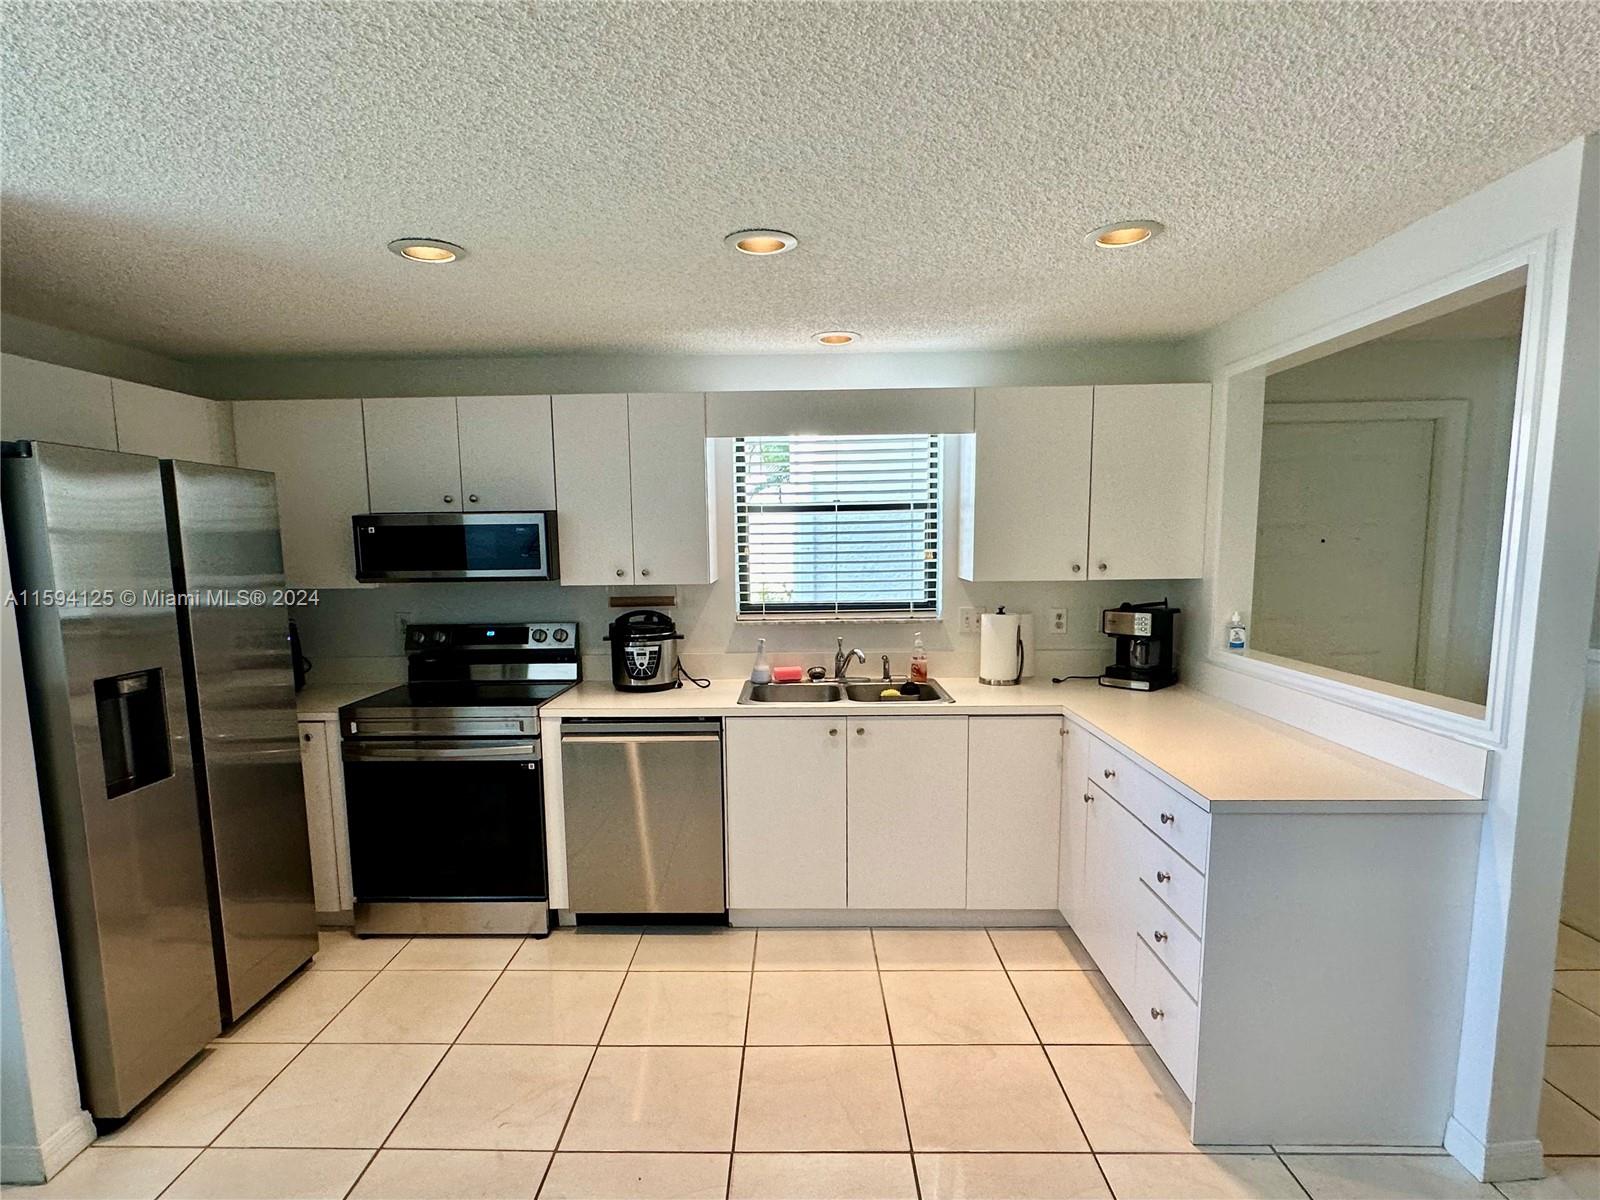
[605, 731]
[642, 739]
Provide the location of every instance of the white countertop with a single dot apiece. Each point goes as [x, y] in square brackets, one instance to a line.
[322, 701]
[1220, 755]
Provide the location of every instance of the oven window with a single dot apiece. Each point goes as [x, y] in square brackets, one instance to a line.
[445, 830]
[485, 546]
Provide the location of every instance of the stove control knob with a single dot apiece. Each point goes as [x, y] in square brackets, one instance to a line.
[438, 635]
[539, 635]
[560, 635]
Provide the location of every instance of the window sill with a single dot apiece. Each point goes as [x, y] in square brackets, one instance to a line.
[928, 618]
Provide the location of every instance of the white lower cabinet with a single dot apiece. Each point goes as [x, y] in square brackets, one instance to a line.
[323, 770]
[1166, 1014]
[907, 812]
[1013, 812]
[1105, 918]
[1074, 820]
[785, 812]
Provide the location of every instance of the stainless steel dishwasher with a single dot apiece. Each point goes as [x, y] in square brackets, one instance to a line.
[643, 804]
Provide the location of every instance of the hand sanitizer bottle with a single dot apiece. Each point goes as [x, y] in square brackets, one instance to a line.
[761, 672]
[1235, 632]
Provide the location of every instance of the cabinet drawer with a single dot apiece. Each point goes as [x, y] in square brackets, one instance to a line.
[1166, 1015]
[1169, 939]
[1183, 825]
[1165, 873]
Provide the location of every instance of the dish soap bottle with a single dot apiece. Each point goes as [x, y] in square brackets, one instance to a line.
[761, 672]
[919, 660]
[1235, 632]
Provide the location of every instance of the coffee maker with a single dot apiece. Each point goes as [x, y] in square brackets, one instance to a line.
[1146, 646]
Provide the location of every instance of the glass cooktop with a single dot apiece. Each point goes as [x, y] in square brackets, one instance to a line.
[462, 694]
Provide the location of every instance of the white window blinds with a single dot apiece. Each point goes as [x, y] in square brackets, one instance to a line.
[837, 526]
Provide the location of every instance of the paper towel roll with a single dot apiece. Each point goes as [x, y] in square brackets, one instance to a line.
[1005, 648]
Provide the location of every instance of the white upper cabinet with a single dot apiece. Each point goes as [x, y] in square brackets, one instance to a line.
[317, 451]
[633, 489]
[155, 421]
[42, 401]
[507, 453]
[1013, 812]
[1025, 485]
[594, 491]
[413, 460]
[673, 480]
[1147, 509]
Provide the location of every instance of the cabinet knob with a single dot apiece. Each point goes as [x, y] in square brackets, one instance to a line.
[1109, 773]
[472, 499]
[1167, 818]
[449, 499]
[1076, 567]
[1102, 566]
[833, 733]
[307, 736]
[860, 731]
[644, 572]
[1160, 937]
[1163, 876]
[1156, 1014]
[1088, 797]
[620, 572]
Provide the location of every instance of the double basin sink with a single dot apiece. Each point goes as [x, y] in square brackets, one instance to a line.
[859, 691]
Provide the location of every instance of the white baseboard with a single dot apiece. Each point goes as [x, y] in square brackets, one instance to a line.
[35, 1164]
[1496, 1162]
[942, 918]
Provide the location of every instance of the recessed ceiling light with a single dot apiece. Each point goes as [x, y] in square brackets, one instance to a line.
[761, 242]
[835, 337]
[1123, 233]
[426, 250]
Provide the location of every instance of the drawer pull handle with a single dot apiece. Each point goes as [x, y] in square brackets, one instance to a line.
[1163, 876]
[1088, 797]
[1109, 773]
[833, 733]
[1160, 937]
[860, 732]
[1167, 818]
[1157, 1014]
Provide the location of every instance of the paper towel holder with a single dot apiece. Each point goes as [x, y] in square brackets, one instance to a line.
[990, 628]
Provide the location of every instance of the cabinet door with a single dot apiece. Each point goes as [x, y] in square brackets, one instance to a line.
[507, 453]
[316, 449]
[594, 498]
[786, 812]
[1013, 811]
[42, 401]
[907, 812]
[413, 460]
[1106, 921]
[1025, 484]
[315, 767]
[152, 420]
[1074, 821]
[673, 480]
[1152, 447]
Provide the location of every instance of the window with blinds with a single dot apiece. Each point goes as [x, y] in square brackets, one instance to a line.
[837, 526]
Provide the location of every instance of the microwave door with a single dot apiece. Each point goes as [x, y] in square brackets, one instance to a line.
[443, 546]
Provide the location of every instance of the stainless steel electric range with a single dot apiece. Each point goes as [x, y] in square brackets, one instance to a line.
[444, 781]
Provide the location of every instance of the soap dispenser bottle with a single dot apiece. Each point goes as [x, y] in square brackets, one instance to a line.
[761, 671]
[1236, 632]
[919, 660]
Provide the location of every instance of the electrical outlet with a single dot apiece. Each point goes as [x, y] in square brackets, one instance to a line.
[401, 620]
[1058, 620]
[969, 619]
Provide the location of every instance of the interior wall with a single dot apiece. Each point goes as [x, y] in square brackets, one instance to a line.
[66, 348]
[1580, 893]
[1483, 372]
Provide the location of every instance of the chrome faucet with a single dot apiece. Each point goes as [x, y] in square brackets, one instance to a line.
[841, 660]
[886, 676]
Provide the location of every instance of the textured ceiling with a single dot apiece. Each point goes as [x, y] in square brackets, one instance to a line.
[220, 178]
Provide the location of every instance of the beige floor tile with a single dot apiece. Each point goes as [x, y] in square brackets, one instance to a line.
[1582, 986]
[1571, 1024]
[815, 950]
[1565, 1179]
[299, 1011]
[822, 1177]
[698, 950]
[456, 954]
[341, 950]
[1013, 1176]
[111, 1173]
[636, 1177]
[816, 1098]
[680, 1008]
[1199, 1177]
[954, 1008]
[453, 1175]
[1041, 950]
[340, 1096]
[816, 1008]
[1124, 1097]
[985, 1098]
[411, 1006]
[935, 950]
[494, 1098]
[1564, 1127]
[593, 949]
[549, 1007]
[269, 1175]
[1576, 951]
[193, 1108]
[1076, 1008]
[1575, 1070]
[657, 1098]
[1386, 1177]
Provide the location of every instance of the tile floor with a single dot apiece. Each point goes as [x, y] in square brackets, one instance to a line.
[727, 1063]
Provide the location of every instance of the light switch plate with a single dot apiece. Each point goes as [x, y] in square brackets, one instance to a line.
[1058, 620]
[969, 619]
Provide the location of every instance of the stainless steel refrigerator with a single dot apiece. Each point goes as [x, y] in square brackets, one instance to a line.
[159, 921]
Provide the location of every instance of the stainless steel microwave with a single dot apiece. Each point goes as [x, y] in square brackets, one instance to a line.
[391, 547]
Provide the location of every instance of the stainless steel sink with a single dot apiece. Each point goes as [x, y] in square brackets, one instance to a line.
[791, 693]
[872, 693]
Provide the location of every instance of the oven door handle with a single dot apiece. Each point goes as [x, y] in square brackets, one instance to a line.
[361, 751]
